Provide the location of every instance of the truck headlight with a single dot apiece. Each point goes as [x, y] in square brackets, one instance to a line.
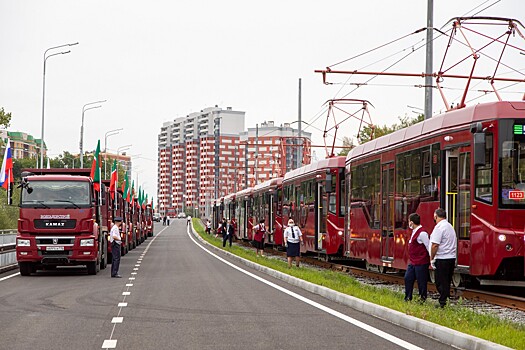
[23, 242]
[87, 242]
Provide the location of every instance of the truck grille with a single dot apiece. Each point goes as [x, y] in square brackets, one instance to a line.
[59, 240]
[55, 223]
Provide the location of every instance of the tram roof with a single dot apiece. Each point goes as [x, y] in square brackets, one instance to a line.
[246, 191]
[443, 122]
[268, 184]
[229, 198]
[334, 162]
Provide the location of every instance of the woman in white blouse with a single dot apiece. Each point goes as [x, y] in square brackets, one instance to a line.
[292, 238]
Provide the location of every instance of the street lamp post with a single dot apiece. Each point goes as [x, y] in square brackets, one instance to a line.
[84, 109]
[106, 135]
[44, 94]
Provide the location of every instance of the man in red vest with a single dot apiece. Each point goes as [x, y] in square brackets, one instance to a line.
[419, 259]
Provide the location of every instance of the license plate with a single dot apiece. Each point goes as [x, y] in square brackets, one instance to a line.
[55, 248]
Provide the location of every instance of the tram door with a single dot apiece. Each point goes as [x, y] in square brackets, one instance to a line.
[271, 216]
[322, 207]
[387, 213]
[457, 201]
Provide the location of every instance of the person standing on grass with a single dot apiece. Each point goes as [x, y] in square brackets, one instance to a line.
[293, 238]
[228, 235]
[259, 233]
[419, 259]
[443, 254]
[208, 226]
[221, 229]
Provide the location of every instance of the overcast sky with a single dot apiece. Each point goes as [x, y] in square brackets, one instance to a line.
[157, 60]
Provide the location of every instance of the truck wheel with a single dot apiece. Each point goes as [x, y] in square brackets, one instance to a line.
[25, 268]
[92, 267]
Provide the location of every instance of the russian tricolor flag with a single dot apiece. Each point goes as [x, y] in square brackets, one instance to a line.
[6, 173]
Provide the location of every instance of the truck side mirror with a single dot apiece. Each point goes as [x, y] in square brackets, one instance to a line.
[479, 148]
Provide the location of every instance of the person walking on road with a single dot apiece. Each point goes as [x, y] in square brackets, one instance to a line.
[292, 238]
[259, 233]
[168, 220]
[419, 259]
[114, 239]
[443, 254]
[228, 235]
[164, 220]
[188, 220]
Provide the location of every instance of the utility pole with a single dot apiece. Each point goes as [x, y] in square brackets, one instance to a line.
[256, 152]
[299, 149]
[429, 54]
[246, 164]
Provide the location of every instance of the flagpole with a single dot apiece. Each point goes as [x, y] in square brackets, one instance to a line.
[116, 183]
[9, 187]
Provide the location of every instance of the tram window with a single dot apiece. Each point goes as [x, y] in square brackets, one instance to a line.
[425, 155]
[342, 195]
[484, 174]
[332, 206]
[512, 160]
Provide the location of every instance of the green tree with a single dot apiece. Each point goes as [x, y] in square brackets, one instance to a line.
[366, 133]
[349, 144]
[5, 118]
[22, 163]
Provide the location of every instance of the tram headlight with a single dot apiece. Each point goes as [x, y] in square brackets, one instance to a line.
[508, 247]
[340, 233]
[502, 238]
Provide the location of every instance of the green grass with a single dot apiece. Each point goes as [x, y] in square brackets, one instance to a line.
[455, 317]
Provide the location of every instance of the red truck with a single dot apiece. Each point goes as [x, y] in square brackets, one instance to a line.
[60, 221]
[149, 220]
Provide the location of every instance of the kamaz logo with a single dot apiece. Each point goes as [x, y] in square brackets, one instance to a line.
[55, 240]
[55, 224]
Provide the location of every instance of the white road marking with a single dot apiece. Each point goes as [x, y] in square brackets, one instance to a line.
[7, 277]
[117, 320]
[112, 343]
[129, 285]
[135, 269]
[137, 265]
[109, 344]
[357, 323]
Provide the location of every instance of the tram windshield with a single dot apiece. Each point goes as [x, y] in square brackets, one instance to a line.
[512, 160]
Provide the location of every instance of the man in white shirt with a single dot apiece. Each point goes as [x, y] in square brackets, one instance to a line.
[443, 254]
[114, 239]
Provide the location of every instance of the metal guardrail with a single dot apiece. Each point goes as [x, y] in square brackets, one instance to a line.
[7, 250]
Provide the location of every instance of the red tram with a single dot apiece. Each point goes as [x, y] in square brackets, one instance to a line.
[267, 203]
[313, 197]
[471, 162]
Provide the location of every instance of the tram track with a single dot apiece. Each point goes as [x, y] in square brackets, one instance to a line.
[499, 299]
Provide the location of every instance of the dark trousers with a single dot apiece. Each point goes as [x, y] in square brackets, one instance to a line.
[226, 237]
[444, 272]
[115, 258]
[419, 273]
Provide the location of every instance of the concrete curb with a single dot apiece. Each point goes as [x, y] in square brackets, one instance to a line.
[442, 334]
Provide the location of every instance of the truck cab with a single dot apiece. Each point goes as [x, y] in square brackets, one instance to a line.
[59, 222]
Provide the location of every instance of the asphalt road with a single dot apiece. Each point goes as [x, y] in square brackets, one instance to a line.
[181, 297]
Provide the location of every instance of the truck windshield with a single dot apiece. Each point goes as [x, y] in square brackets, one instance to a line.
[512, 162]
[57, 194]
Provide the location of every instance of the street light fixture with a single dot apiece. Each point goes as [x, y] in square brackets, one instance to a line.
[44, 94]
[106, 135]
[84, 109]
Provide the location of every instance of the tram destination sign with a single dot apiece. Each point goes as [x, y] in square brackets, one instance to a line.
[519, 129]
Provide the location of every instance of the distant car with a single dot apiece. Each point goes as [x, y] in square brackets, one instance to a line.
[156, 217]
[181, 216]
